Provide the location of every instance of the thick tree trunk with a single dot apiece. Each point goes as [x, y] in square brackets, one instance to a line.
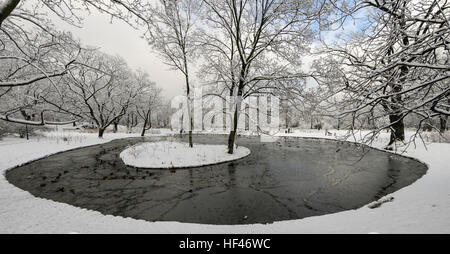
[395, 115]
[231, 139]
[189, 109]
[144, 127]
[100, 132]
[237, 103]
[232, 136]
[147, 120]
[397, 128]
[6, 7]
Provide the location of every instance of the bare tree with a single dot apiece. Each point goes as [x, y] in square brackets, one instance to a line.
[173, 36]
[101, 89]
[27, 37]
[31, 53]
[261, 37]
[400, 64]
[147, 102]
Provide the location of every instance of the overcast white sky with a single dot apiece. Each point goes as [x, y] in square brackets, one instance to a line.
[119, 38]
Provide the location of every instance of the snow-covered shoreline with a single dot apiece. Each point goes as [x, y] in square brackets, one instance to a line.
[423, 207]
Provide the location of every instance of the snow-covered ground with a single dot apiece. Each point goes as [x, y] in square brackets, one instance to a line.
[423, 207]
[172, 154]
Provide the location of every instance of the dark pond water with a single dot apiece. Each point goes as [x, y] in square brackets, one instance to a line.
[291, 178]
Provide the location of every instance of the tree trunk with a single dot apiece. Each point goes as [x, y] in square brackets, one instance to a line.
[128, 122]
[100, 132]
[188, 98]
[115, 127]
[395, 116]
[232, 136]
[443, 123]
[237, 103]
[147, 120]
[144, 127]
[397, 128]
[372, 120]
[286, 119]
[191, 121]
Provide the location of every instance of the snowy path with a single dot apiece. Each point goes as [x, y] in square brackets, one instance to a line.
[423, 207]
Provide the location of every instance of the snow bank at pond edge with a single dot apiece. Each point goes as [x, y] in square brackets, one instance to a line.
[423, 207]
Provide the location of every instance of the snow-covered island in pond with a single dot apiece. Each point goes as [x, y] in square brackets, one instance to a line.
[170, 154]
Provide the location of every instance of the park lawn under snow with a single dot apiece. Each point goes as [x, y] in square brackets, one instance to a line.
[422, 207]
[171, 154]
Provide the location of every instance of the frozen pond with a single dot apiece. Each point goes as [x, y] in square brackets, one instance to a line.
[291, 178]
